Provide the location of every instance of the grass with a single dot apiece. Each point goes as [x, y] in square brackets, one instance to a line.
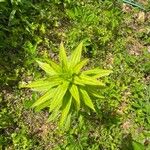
[115, 36]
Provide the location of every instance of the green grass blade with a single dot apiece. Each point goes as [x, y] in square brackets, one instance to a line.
[134, 4]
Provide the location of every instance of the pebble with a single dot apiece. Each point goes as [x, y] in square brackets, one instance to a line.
[149, 49]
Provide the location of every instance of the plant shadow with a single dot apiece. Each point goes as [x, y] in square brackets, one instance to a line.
[106, 116]
[126, 143]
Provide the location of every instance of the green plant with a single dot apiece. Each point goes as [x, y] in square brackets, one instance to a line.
[21, 140]
[96, 24]
[67, 86]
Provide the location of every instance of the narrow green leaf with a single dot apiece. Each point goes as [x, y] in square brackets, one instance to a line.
[78, 81]
[68, 122]
[41, 89]
[47, 96]
[97, 73]
[42, 106]
[35, 84]
[54, 114]
[80, 65]
[55, 66]
[40, 85]
[65, 111]
[83, 79]
[63, 56]
[97, 95]
[75, 93]
[94, 92]
[47, 68]
[76, 55]
[55, 78]
[58, 95]
[86, 98]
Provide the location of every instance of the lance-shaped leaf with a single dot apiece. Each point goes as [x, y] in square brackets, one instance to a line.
[65, 109]
[47, 68]
[54, 114]
[55, 66]
[54, 78]
[42, 106]
[97, 73]
[58, 95]
[41, 85]
[68, 122]
[97, 95]
[75, 94]
[38, 83]
[42, 89]
[77, 81]
[86, 98]
[80, 65]
[76, 56]
[63, 56]
[93, 91]
[47, 96]
[83, 79]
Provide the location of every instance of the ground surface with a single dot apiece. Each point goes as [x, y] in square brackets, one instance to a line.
[116, 36]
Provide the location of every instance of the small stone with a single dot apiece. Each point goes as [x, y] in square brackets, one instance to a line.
[126, 8]
[148, 49]
[141, 17]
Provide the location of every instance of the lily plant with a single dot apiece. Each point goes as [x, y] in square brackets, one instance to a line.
[68, 87]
